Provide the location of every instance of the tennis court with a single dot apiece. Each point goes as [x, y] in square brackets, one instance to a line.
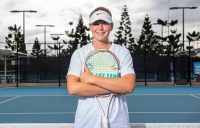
[149, 106]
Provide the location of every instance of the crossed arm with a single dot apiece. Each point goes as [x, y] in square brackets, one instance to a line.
[91, 85]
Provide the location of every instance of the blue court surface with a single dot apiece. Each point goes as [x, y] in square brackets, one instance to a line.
[151, 104]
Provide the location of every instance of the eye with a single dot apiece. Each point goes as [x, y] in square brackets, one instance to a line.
[95, 23]
[100, 22]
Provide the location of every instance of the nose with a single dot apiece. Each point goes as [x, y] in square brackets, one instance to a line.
[100, 26]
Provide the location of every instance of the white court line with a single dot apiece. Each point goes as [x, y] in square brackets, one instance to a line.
[195, 96]
[55, 113]
[46, 95]
[71, 125]
[126, 95]
[37, 113]
[39, 95]
[164, 112]
[9, 99]
[37, 125]
[159, 94]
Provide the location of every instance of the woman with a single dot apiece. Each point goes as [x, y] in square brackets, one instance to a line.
[82, 83]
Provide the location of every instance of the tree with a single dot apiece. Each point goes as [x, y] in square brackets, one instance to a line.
[36, 50]
[56, 47]
[15, 39]
[123, 35]
[147, 43]
[165, 23]
[78, 37]
[194, 36]
[172, 39]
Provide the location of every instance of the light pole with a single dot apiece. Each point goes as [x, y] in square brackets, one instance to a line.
[17, 57]
[183, 8]
[58, 43]
[145, 59]
[45, 50]
[23, 11]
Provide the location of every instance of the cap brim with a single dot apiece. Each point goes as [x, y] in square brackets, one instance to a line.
[100, 15]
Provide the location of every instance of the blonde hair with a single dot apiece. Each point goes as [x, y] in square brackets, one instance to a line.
[101, 8]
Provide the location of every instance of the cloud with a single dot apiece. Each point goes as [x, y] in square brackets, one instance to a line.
[61, 12]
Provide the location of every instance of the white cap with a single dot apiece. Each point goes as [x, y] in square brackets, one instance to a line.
[100, 15]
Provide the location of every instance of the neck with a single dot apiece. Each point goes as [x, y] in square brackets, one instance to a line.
[101, 45]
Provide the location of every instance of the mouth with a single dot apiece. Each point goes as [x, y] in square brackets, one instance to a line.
[100, 33]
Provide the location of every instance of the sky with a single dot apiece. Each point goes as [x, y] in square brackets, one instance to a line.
[60, 12]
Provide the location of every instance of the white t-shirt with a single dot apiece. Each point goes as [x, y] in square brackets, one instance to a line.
[88, 114]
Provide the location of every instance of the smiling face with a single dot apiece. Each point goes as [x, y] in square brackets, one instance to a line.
[101, 30]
